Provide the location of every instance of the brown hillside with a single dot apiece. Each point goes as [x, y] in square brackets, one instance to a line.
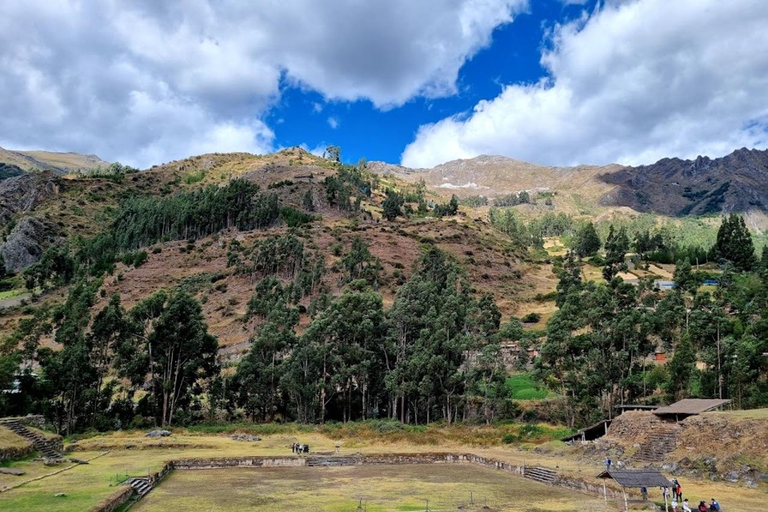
[59, 163]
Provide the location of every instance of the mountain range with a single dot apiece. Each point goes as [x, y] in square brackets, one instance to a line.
[737, 182]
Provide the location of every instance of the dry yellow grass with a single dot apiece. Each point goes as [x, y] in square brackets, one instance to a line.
[9, 439]
[377, 488]
[134, 454]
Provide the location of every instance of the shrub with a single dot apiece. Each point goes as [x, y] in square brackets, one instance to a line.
[509, 439]
[531, 318]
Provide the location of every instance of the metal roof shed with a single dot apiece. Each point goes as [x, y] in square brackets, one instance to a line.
[635, 478]
[689, 407]
[590, 433]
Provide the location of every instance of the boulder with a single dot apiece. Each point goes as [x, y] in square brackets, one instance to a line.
[11, 471]
[245, 437]
[158, 433]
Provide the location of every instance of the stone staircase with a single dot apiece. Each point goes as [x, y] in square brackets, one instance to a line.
[658, 444]
[41, 443]
[540, 474]
[141, 486]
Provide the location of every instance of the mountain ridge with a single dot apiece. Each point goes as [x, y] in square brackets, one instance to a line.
[737, 182]
[56, 162]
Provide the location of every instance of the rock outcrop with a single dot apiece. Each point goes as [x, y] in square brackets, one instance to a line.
[671, 186]
[22, 194]
[25, 244]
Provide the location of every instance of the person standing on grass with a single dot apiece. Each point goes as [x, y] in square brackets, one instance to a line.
[686, 508]
[679, 491]
[674, 505]
[608, 464]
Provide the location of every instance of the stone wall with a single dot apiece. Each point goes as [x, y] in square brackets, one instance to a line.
[114, 501]
[16, 453]
[31, 420]
[390, 459]
[238, 462]
[576, 484]
[635, 427]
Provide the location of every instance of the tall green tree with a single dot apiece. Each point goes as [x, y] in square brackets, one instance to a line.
[359, 263]
[616, 247]
[259, 373]
[332, 153]
[685, 279]
[392, 205]
[734, 243]
[681, 369]
[176, 351]
[587, 241]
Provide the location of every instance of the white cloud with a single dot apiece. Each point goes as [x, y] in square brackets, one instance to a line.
[632, 83]
[148, 81]
[317, 108]
[333, 122]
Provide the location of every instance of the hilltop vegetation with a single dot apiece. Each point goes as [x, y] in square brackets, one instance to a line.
[293, 288]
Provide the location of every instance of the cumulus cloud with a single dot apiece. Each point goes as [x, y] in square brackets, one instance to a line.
[149, 81]
[631, 82]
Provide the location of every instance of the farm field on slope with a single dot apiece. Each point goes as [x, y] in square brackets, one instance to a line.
[381, 489]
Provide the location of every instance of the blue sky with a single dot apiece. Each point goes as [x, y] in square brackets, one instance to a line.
[557, 82]
[365, 131]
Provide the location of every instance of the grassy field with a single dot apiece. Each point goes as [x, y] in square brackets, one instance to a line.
[131, 453]
[378, 488]
[523, 387]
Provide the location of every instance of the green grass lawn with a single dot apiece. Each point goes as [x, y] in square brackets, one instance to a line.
[7, 294]
[523, 387]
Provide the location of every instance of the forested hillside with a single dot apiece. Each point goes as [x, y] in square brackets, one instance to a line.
[292, 288]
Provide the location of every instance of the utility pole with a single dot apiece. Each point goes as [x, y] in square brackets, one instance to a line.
[719, 374]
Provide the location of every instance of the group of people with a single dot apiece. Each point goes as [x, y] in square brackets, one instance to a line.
[299, 448]
[677, 496]
[713, 506]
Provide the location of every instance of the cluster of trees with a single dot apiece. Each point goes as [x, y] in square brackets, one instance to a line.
[600, 337]
[446, 210]
[356, 360]
[397, 204]
[351, 184]
[160, 347]
[474, 201]
[142, 221]
[509, 223]
[114, 172]
[668, 242]
[512, 199]
[433, 355]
